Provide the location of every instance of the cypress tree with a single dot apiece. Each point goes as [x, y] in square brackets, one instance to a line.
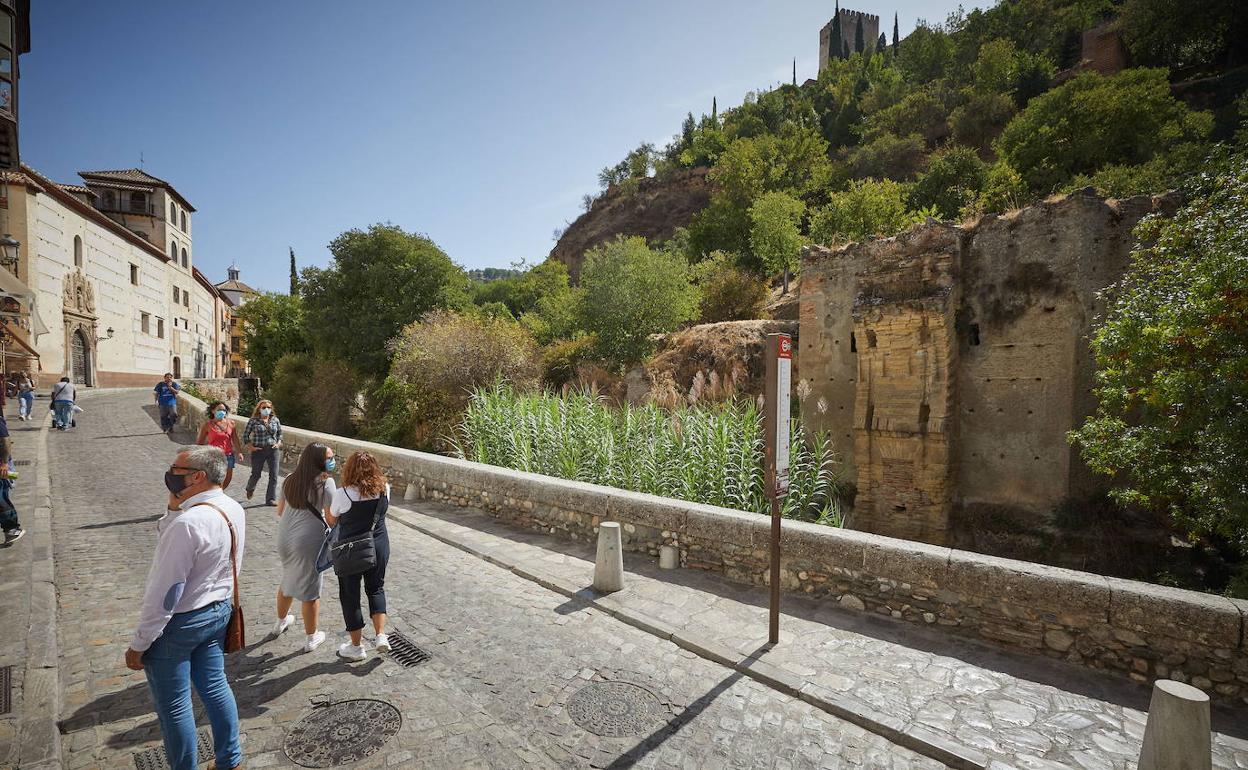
[859, 44]
[294, 276]
[896, 39]
[795, 71]
[881, 45]
[845, 50]
[714, 110]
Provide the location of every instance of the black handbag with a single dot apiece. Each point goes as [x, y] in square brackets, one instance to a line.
[358, 554]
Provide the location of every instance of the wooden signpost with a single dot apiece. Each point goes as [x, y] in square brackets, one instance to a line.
[779, 374]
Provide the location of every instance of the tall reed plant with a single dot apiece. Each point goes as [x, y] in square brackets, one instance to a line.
[705, 453]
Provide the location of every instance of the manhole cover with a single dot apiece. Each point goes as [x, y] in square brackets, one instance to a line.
[156, 759]
[344, 732]
[613, 709]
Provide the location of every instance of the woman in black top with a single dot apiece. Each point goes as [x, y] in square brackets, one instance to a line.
[360, 504]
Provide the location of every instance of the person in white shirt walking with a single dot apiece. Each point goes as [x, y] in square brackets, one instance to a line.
[180, 640]
[64, 394]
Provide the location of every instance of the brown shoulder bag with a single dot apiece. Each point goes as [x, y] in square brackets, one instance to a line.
[236, 629]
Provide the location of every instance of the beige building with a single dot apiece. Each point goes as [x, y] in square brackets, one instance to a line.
[111, 294]
[236, 293]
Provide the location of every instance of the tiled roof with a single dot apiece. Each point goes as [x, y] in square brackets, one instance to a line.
[77, 188]
[233, 285]
[132, 179]
[17, 177]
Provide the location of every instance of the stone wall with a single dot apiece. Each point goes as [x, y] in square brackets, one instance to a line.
[1131, 629]
[948, 363]
[225, 389]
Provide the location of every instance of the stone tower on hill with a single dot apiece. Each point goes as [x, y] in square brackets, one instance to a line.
[830, 48]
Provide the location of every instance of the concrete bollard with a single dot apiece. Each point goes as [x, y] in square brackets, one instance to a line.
[609, 563]
[1177, 735]
[410, 493]
[669, 557]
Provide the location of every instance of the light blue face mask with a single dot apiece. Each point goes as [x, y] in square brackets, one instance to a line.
[221, 414]
[330, 464]
[266, 411]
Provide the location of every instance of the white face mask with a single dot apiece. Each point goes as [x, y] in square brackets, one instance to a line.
[265, 412]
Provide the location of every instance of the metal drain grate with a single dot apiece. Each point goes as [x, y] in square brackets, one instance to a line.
[22, 462]
[155, 758]
[405, 652]
[6, 689]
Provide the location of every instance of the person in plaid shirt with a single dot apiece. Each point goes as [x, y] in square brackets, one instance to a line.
[263, 438]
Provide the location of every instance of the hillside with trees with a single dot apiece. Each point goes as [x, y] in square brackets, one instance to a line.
[979, 114]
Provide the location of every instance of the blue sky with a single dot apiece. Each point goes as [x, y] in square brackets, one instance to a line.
[285, 122]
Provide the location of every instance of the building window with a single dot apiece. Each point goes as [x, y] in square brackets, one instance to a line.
[173, 212]
[134, 274]
[173, 251]
[160, 328]
[6, 62]
[177, 295]
[236, 344]
[145, 323]
[186, 262]
[186, 299]
[183, 221]
[109, 201]
[77, 251]
[138, 202]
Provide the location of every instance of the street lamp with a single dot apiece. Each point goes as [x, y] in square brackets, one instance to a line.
[8, 250]
[108, 335]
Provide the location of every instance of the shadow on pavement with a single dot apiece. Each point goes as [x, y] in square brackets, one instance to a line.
[1055, 673]
[247, 674]
[122, 522]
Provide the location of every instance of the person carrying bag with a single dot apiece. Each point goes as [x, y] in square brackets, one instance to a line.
[360, 550]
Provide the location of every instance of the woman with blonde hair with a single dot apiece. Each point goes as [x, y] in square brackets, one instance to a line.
[305, 497]
[263, 437]
[359, 507]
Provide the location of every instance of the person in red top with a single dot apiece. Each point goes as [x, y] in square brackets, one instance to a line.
[219, 431]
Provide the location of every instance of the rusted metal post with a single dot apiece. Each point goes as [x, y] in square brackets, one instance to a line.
[779, 359]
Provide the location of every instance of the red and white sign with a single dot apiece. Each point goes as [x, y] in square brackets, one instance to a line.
[784, 375]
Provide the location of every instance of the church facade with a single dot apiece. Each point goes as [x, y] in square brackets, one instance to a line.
[104, 288]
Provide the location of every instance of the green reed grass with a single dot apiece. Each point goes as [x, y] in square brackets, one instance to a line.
[705, 453]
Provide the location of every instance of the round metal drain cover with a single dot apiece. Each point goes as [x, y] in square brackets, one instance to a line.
[613, 709]
[343, 732]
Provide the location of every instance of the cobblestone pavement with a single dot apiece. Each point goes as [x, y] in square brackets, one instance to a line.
[506, 654]
[1021, 711]
[16, 577]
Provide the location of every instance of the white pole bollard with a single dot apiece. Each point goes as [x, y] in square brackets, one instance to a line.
[609, 563]
[669, 557]
[1177, 735]
[410, 493]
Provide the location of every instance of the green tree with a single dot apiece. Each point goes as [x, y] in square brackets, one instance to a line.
[1092, 121]
[981, 120]
[775, 234]
[928, 54]
[1171, 425]
[272, 327]
[380, 280]
[290, 389]
[294, 274]
[860, 44]
[630, 292]
[728, 292]
[888, 156]
[867, 208]
[953, 180]
[1188, 34]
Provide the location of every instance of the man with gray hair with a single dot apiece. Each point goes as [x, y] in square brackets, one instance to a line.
[187, 605]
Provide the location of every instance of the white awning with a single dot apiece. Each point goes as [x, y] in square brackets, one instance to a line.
[12, 286]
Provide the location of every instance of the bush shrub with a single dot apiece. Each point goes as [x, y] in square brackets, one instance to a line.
[728, 292]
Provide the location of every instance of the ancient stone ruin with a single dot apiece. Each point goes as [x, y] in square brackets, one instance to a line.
[949, 362]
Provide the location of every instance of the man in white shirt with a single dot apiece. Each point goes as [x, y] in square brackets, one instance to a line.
[186, 607]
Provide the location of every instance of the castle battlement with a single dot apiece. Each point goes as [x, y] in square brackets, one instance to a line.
[849, 20]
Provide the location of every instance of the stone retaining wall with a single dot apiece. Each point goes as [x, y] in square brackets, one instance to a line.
[1129, 628]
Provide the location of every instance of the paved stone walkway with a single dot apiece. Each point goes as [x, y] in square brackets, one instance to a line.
[1020, 711]
[507, 653]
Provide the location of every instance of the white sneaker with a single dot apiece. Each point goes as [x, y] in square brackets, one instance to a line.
[314, 641]
[352, 651]
[383, 643]
[282, 624]
[13, 535]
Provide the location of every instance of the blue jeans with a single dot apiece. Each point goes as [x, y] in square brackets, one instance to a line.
[191, 650]
[8, 514]
[25, 404]
[63, 413]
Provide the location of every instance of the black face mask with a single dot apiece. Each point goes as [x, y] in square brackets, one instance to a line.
[176, 483]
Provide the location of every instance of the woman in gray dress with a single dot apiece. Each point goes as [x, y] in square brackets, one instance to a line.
[306, 495]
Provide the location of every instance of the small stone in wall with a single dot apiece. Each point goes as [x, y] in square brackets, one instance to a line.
[851, 602]
[1201, 683]
[1058, 639]
[929, 617]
